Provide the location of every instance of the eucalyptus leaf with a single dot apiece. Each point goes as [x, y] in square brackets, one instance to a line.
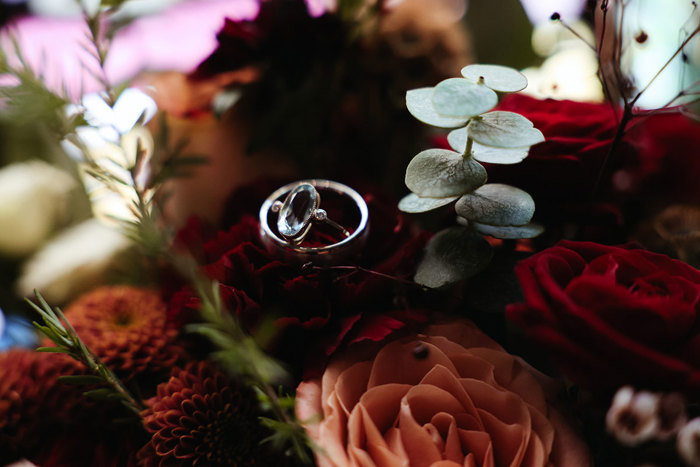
[458, 97]
[420, 104]
[504, 130]
[497, 204]
[458, 141]
[440, 173]
[509, 232]
[452, 255]
[414, 203]
[499, 78]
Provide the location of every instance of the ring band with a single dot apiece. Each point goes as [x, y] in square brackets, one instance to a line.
[287, 215]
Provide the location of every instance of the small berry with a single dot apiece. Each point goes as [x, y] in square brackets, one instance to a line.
[641, 37]
[555, 16]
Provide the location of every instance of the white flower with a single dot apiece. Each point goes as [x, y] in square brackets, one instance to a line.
[570, 69]
[33, 203]
[111, 142]
[632, 416]
[688, 443]
[636, 417]
[73, 262]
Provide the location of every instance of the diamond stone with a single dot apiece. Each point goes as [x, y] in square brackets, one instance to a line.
[296, 212]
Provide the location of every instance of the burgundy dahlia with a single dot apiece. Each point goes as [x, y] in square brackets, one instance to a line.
[201, 418]
[32, 402]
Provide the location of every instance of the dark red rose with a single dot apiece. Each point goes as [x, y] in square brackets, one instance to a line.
[565, 166]
[282, 34]
[613, 315]
[344, 303]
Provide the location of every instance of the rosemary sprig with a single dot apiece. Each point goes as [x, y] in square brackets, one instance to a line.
[240, 355]
[57, 328]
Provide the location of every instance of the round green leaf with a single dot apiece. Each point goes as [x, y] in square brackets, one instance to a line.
[504, 130]
[509, 232]
[499, 78]
[458, 141]
[414, 203]
[497, 204]
[452, 255]
[420, 104]
[439, 173]
[457, 97]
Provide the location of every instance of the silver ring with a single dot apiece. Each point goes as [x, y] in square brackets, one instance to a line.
[288, 214]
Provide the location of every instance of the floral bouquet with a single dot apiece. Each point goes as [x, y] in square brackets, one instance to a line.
[333, 239]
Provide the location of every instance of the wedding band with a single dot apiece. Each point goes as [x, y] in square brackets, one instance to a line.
[290, 212]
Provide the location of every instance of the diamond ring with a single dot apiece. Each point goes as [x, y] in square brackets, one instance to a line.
[290, 213]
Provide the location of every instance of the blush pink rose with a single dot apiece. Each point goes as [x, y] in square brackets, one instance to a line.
[451, 397]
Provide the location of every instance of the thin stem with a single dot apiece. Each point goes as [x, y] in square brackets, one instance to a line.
[468, 149]
[355, 269]
[627, 115]
[575, 33]
[601, 69]
[668, 62]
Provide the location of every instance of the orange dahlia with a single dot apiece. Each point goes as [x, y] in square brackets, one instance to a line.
[201, 418]
[32, 402]
[127, 328]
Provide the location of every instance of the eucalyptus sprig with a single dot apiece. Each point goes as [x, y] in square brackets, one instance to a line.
[438, 177]
[57, 328]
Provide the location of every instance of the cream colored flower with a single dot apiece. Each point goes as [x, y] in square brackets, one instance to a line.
[636, 417]
[570, 69]
[34, 197]
[73, 262]
[688, 443]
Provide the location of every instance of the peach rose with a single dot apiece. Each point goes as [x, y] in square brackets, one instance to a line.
[452, 397]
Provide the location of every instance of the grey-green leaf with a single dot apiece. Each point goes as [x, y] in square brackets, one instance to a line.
[458, 97]
[458, 141]
[452, 255]
[504, 130]
[440, 173]
[509, 232]
[499, 78]
[420, 104]
[414, 203]
[497, 204]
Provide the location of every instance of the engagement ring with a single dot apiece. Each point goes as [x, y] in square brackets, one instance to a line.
[290, 213]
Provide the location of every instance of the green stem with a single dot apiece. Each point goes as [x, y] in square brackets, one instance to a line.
[468, 150]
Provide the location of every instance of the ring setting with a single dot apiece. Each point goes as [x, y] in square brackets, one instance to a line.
[291, 212]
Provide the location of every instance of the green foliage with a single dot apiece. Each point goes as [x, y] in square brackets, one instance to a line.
[460, 98]
[27, 100]
[437, 177]
[504, 130]
[452, 255]
[440, 173]
[497, 204]
[57, 328]
[498, 78]
[240, 354]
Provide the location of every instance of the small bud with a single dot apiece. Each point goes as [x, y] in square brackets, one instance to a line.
[631, 418]
[555, 16]
[642, 37]
[688, 442]
[421, 351]
[636, 417]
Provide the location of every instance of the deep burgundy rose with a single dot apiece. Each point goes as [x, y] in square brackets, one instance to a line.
[613, 315]
[565, 166]
[344, 302]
